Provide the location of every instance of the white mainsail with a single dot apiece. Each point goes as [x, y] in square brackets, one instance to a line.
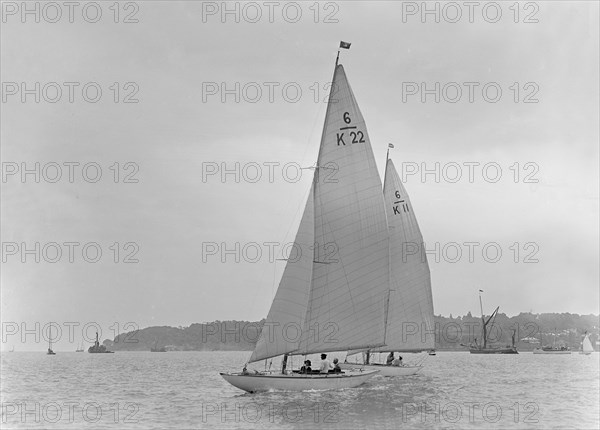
[410, 324]
[338, 297]
[350, 282]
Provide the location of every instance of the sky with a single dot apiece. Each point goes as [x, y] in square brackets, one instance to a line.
[162, 107]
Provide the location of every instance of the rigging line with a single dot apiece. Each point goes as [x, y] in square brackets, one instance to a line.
[301, 204]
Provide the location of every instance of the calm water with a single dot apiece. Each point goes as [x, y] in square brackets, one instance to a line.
[184, 390]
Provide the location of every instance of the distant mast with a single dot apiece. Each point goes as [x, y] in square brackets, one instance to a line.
[484, 332]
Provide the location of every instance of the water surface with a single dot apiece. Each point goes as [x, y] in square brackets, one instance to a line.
[177, 390]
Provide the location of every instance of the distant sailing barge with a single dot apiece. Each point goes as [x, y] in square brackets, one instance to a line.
[475, 348]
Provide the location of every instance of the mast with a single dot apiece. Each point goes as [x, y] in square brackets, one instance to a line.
[483, 331]
[340, 289]
[347, 290]
[387, 157]
[284, 364]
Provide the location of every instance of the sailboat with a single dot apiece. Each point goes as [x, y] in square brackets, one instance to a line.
[80, 348]
[155, 348]
[552, 349]
[476, 348]
[96, 348]
[586, 345]
[410, 302]
[334, 289]
[50, 352]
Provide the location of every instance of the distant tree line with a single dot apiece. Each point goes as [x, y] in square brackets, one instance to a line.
[450, 332]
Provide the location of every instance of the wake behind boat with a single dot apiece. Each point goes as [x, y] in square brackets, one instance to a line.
[385, 370]
[334, 300]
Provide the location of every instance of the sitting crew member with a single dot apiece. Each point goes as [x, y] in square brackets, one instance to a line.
[390, 359]
[336, 366]
[325, 365]
[396, 362]
[306, 368]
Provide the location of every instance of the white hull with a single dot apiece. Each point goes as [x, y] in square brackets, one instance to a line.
[584, 352]
[383, 369]
[296, 382]
[554, 352]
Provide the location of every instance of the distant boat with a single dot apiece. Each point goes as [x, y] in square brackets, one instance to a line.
[552, 349]
[475, 348]
[432, 352]
[586, 345]
[155, 348]
[50, 352]
[12, 349]
[96, 348]
[80, 348]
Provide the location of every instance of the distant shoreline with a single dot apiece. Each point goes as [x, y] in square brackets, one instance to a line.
[563, 329]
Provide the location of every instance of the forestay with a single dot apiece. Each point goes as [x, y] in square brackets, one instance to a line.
[281, 332]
